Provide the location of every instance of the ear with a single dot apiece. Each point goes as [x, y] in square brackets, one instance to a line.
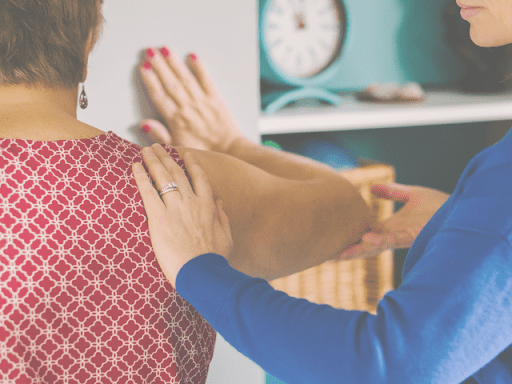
[88, 48]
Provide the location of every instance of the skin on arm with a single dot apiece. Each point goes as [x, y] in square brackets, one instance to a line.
[281, 226]
[302, 216]
[196, 116]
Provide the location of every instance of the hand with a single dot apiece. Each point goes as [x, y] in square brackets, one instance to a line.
[402, 228]
[183, 224]
[189, 102]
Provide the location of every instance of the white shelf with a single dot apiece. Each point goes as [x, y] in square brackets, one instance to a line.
[439, 107]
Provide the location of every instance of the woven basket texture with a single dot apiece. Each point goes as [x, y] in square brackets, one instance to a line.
[352, 284]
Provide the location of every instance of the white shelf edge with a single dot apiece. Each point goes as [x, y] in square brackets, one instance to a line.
[438, 108]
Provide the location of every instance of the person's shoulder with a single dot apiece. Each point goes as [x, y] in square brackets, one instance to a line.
[482, 201]
[499, 153]
[489, 168]
[112, 138]
[117, 144]
[131, 152]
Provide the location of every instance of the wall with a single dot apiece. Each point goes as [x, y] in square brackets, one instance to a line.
[224, 34]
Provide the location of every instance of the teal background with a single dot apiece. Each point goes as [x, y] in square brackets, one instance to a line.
[386, 40]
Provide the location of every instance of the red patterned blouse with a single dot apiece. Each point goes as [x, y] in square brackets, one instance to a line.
[82, 297]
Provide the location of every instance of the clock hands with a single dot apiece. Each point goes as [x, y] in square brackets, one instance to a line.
[302, 35]
[301, 24]
[298, 13]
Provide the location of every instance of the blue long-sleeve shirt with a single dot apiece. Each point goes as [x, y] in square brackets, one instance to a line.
[450, 321]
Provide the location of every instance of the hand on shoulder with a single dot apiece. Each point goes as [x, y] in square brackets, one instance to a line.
[184, 222]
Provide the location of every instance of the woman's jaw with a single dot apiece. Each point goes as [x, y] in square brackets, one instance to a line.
[490, 21]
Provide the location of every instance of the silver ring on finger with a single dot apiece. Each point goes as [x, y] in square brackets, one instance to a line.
[171, 187]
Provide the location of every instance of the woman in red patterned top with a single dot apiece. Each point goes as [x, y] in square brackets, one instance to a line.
[82, 298]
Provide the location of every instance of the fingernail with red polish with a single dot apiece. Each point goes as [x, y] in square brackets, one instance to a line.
[146, 128]
[193, 57]
[147, 65]
[165, 52]
[150, 52]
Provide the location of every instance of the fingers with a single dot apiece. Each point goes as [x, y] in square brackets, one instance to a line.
[156, 131]
[360, 251]
[169, 81]
[201, 186]
[199, 179]
[392, 191]
[183, 73]
[373, 243]
[165, 104]
[164, 170]
[150, 198]
[202, 74]
[396, 240]
[177, 173]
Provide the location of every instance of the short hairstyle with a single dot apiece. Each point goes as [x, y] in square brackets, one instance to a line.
[43, 42]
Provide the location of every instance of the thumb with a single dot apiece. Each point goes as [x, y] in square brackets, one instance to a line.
[156, 131]
[392, 191]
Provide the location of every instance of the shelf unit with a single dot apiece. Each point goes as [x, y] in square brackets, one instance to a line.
[439, 107]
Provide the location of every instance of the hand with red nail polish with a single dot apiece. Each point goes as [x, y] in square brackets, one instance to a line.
[165, 52]
[189, 102]
[156, 131]
[150, 52]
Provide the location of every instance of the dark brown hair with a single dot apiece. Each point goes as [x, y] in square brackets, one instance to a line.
[44, 41]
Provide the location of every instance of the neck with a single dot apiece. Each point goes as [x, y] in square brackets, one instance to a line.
[41, 113]
[52, 100]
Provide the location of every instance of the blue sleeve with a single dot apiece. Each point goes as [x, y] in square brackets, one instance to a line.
[441, 326]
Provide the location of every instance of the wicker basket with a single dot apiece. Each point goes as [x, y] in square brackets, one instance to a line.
[353, 284]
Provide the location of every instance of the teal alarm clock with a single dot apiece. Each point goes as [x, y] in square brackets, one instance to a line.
[300, 45]
[318, 48]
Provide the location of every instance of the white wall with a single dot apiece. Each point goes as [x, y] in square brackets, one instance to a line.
[224, 34]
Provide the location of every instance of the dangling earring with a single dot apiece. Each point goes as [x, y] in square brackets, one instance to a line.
[83, 98]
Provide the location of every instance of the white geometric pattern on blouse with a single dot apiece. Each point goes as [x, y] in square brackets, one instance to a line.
[82, 297]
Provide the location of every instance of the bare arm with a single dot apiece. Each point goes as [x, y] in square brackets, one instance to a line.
[287, 213]
[282, 226]
[197, 117]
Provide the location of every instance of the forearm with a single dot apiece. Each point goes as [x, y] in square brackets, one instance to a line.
[279, 163]
[312, 222]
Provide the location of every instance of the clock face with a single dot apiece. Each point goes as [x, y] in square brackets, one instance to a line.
[303, 37]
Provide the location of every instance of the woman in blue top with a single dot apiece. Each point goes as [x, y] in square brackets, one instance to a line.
[450, 321]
